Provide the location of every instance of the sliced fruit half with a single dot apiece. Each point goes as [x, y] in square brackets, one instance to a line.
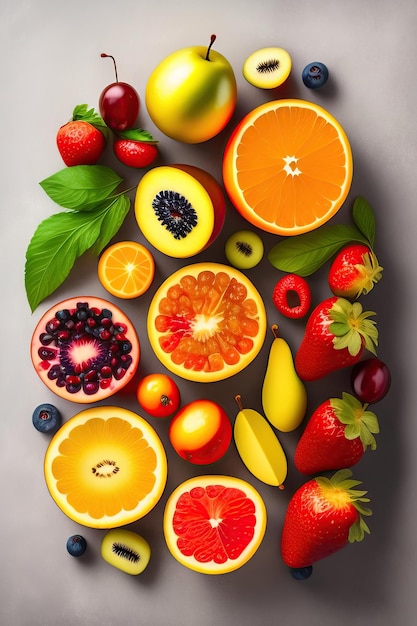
[85, 349]
[214, 524]
[206, 322]
[106, 467]
[267, 68]
[180, 209]
[287, 166]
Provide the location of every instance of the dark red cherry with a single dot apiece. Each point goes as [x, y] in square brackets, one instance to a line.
[119, 103]
[371, 380]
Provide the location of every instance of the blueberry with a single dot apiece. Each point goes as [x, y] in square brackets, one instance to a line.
[46, 418]
[315, 75]
[76, 545]
[302, 573]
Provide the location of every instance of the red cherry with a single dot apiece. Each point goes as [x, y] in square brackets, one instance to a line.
[119, 103]
[371, 380]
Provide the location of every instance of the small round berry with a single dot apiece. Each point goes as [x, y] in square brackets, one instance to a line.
[371, 380]
[76, 545]
[46, 418]
[315, 75]
[292, 296]
[302, 573]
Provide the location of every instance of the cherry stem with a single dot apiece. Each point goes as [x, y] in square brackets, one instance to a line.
[104, 55]
[212, 40]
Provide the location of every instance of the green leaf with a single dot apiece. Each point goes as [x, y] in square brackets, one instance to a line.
[364, 219]
[82, 112]
[115, 213]
[79, 185]
[137, 134]
[306, 253]
[53, 249]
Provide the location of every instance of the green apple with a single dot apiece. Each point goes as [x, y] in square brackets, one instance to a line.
[244, 249]
[191, 95]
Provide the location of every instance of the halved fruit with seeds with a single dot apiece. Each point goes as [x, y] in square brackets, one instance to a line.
[214, 524]
[85, 349]
[106, 467]
[288, 167]
[180, 209]
[206, 322]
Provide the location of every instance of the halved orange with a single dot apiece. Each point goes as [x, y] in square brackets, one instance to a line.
[106, 467]
[206, 322]
[126, 269]
[214, 524]
[287, 166]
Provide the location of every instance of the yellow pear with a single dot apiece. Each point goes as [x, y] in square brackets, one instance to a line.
[284, 396]
[259, 447]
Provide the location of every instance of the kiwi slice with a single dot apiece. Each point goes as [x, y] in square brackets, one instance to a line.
[126, 550]
[267, 68]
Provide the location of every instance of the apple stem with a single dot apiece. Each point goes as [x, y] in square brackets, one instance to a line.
[212, 40]
[104, 55]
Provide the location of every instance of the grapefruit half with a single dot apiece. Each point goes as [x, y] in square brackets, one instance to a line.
[214, 524]
[206, 322]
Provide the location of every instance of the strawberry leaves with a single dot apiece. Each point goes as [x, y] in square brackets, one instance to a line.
[92, 218]
[357, 419]
[304, 254]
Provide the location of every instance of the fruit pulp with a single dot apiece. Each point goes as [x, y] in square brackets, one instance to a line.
[206, 322]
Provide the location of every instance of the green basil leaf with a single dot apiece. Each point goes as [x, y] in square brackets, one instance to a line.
[53, 249]
[73, 187]
[306, 253]
[137, 134]
[114, 215]
[364, 219]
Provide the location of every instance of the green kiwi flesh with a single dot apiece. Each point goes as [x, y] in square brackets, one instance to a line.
[126, 550]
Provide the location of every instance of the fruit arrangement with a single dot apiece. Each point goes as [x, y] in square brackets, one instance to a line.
[286, 169]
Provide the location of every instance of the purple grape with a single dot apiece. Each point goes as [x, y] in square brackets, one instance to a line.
[371, 380]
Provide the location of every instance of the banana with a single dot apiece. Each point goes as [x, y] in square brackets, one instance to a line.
[284, 396]
[259, 447]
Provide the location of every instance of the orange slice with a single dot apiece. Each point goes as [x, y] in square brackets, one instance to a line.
[214, 524]
[206, 322]
[287, 166]
[126, 269]
[106, 467]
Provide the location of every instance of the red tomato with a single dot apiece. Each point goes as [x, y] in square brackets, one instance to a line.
[201, 432]
[158, 395]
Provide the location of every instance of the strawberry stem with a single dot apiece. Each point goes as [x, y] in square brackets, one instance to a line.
[343, 483]
[358, 421]
[351, 327]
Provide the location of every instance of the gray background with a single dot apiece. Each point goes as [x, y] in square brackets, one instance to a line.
[50, 62]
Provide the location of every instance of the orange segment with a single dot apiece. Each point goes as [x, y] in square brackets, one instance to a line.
[206, 322]
[214, 524]
[288, 166]
[105, 467]
[126, 269]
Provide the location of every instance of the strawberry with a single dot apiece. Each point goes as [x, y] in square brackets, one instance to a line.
[337, 435]
[354, 271]
[336, 334]
[323, 516]
[135, 148]
[80, 141]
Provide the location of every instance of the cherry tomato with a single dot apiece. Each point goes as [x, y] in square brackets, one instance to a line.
[201, 432]
[158, 395]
